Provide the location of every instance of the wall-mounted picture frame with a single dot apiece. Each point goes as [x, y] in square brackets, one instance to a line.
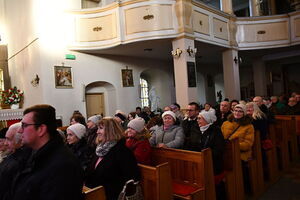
[63, 77]
[191, 71]
[127, 77]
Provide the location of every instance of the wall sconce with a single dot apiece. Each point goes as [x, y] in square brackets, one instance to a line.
[237, 60]
[176, 53]
[191, 52]
[35, 82]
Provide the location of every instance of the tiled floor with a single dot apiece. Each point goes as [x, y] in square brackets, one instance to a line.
[287, 188]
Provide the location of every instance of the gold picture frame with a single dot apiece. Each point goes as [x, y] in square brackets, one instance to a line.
[63, 77]
[127, 78]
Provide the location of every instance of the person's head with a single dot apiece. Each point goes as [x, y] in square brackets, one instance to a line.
[254, 111]
[13, 137]
[120, 117]
[266, 101]
[2, 139]
[92, 121]
[298, 97]
[38, 125]
[274, 99]
[207, 106]
[292, 101]
[205, 118]
[239, 111]
[169, 118]
[77, 118]
[135, 127]
[193, 110]
[175, 107]
[167, 108]
[258, 100]
[131, 116]
[224, 106]
[75, 133]
[138, 110]
[233, 103]
[109, 130]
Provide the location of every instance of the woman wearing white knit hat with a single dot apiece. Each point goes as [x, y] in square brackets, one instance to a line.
[77, 143]
[137, 140]
[169, 134]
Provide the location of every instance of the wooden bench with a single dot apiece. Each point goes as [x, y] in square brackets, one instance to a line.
[191, 169]
[156, 182]
[233, 171]
[97, 193]
[287, 132]
[272, 169]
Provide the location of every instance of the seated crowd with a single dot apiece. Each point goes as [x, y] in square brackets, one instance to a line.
[35, 159]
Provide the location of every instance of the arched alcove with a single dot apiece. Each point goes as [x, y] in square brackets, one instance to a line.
[103, 94]
[163, 83]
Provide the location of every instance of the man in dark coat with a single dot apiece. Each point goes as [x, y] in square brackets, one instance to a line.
[222, 113]
[52, 171]
[190, 124]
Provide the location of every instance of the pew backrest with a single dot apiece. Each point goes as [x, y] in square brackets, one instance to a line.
[97, 193]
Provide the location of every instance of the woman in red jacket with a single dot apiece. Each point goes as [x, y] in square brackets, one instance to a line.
[137, 140]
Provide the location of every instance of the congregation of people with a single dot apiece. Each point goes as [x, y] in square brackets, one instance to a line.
[38, 160]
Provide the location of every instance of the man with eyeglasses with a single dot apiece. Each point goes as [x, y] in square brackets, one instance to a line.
[190, 124]
[52, 171]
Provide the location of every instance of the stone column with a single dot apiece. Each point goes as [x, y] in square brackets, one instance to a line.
[226, 6]
[254, 6]
[184, 93]
[231, 74]
[259, 77]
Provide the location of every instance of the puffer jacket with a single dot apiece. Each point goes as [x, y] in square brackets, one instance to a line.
[172, 138]
[245, 133]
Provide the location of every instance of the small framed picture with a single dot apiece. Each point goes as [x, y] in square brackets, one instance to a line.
[63, 77]
[127, 78]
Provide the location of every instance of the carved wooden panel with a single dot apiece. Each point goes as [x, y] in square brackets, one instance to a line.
[201, 23]
[148, 18]
[297, 27]
[96, 29]
[220, 29]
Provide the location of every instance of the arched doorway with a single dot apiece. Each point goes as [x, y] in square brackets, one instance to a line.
[100, 98]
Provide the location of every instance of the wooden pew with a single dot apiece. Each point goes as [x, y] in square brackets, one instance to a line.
[271, 154]
[191, 169]
[256, 176]
[233, 171]
[156, 182]
[97, 193]
[288, 123]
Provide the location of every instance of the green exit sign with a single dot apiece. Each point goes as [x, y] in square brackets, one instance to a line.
[70, 57]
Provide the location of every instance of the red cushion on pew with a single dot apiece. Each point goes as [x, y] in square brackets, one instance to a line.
[182, 189]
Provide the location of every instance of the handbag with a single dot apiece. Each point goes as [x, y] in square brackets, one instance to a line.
[267, 144]
[131, 191]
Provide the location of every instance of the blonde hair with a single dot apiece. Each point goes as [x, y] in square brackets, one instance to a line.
[257, 113]
[113, 130]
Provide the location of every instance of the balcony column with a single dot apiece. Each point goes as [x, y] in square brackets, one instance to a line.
[254, 6]
[231, 74]
[226, 6]
[259, 76]
[184, 93]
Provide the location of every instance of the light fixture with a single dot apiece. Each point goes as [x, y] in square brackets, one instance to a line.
[35, 82]
[237, 60]
[176, 53]
[191, 52]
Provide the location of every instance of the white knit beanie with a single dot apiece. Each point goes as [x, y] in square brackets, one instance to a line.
[78, 129]
[172, 114]
[209, 117]
[95, 119]
[243, 107]
[137, 124]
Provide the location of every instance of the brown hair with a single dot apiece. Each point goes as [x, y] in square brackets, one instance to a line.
[112, 129]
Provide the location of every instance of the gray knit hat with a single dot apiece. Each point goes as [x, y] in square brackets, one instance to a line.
[243, 107]
[172, 114]
[137, 124]
[95, 118]
[209, 117]
[78, 129]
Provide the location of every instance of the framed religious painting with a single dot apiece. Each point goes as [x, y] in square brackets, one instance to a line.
[127, 77]
[63, 77]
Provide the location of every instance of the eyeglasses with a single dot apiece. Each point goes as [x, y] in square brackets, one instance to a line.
[24, 125]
